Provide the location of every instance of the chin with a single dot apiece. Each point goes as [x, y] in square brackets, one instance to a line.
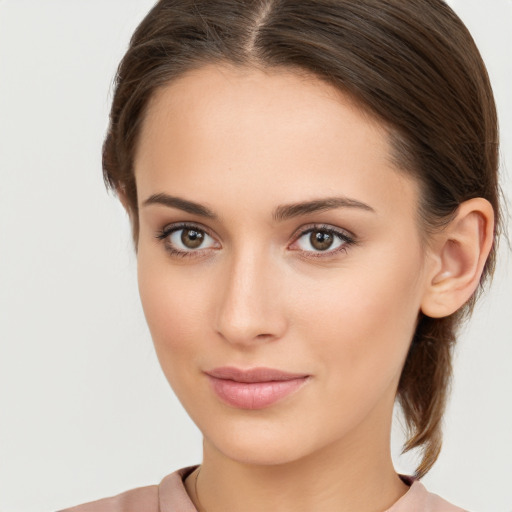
[260, 454]
[260, 442]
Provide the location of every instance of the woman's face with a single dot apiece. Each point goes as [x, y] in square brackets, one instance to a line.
[276, 237]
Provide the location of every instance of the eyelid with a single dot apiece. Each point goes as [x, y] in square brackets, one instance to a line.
[176, 226]
[345, 233]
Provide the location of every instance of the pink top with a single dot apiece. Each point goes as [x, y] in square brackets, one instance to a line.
[171, 496]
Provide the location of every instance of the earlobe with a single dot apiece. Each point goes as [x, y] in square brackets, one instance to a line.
[460, 252]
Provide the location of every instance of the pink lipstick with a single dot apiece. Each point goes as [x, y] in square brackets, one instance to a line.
[255, 388]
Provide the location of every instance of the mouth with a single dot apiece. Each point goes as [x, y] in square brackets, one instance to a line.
[255, 388]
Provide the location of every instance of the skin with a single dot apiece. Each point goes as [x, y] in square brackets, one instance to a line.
[243, 142]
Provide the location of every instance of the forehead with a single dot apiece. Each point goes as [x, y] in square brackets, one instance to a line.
[269, 136]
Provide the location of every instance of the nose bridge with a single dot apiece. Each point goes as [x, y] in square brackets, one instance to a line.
[249, 307]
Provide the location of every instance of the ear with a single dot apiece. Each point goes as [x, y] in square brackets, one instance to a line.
[132, 216]
[121, 194]
[458, 255]
[123, 198]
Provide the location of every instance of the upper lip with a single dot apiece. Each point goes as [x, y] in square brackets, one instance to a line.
[253, 374]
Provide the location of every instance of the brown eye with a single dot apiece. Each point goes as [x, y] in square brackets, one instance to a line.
[321, 240]
[187, 239]
[192, 238]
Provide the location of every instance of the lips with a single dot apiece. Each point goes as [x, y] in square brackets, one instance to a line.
[254, 388]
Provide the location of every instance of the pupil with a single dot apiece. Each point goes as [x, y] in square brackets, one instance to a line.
[192, 238]
[321, 240]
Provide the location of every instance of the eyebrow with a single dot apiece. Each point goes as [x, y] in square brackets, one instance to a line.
[289, 211]
[281, 213]
[180, 204]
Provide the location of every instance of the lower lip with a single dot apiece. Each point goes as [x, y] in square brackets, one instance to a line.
[254, 395]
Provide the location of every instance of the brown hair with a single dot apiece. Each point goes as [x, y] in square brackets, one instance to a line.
[412, 64]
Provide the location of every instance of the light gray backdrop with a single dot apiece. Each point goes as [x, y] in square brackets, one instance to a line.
[84, 409]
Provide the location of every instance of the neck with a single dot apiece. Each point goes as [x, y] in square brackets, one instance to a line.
[353, 476]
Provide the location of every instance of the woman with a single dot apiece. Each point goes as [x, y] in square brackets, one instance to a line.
[313, 193]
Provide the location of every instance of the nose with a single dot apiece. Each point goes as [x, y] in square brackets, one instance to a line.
[249, 308]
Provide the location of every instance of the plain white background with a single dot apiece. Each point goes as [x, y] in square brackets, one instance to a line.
[84, 409]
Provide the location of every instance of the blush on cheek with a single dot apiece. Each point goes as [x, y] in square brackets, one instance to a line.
[173, 330]
[368, 327]
[174, 310]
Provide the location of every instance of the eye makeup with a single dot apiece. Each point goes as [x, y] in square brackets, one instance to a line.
[186, 239]
[321, 241]
[192, 240]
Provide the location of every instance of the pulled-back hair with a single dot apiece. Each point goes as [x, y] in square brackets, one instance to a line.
[411, 64]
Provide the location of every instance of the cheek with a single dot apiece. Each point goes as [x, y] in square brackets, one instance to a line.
[363, 321]
[174, 304]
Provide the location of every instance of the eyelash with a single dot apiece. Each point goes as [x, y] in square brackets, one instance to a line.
[342, 235]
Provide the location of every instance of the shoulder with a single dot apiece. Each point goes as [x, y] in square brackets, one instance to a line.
[420, 500]
[142, 498]
[153, 498]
